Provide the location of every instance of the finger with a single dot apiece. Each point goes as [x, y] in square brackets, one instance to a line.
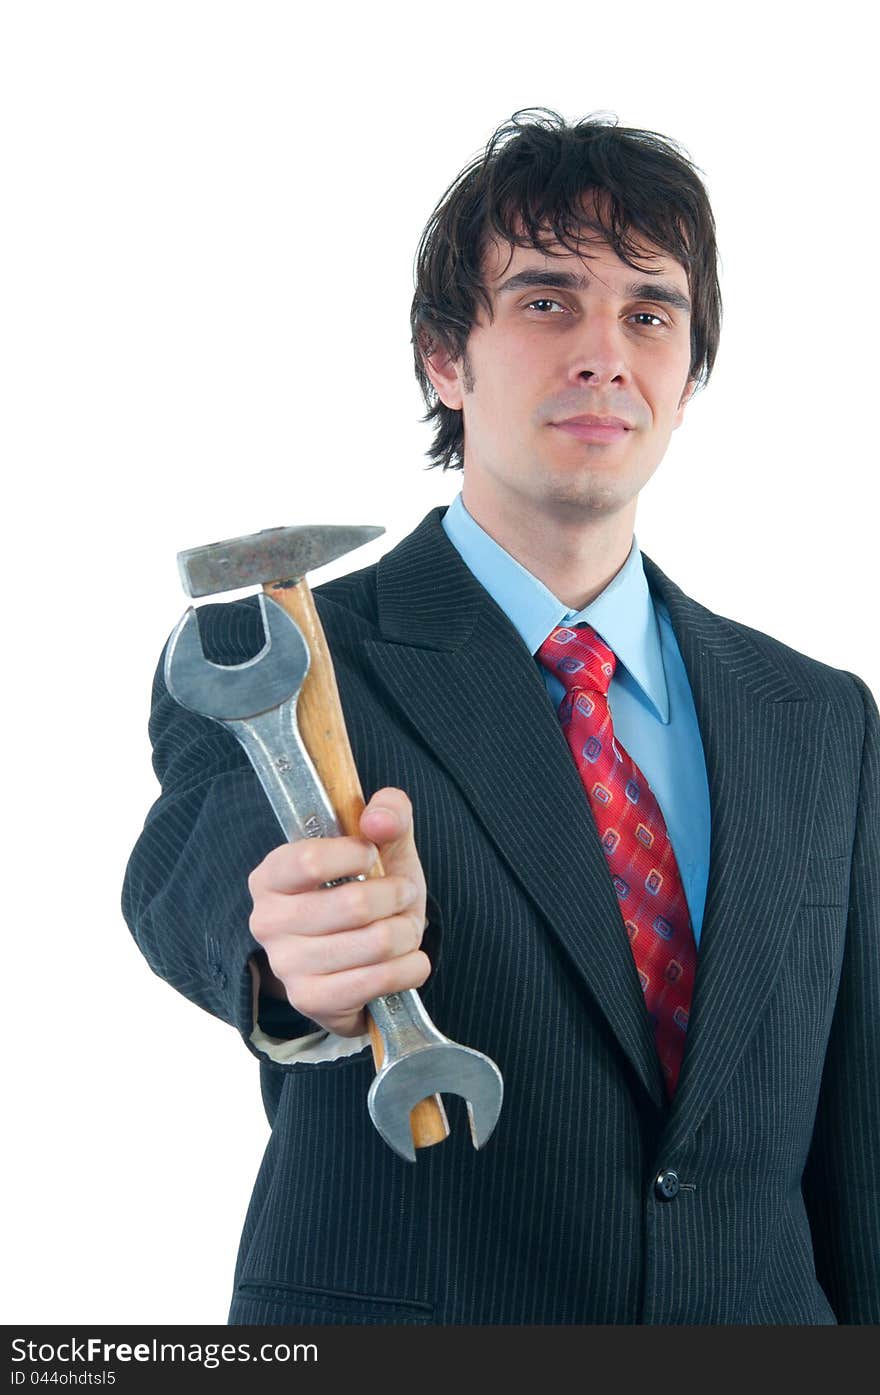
[383, 940]
[309, 863]
[328, 997]
[332, 909]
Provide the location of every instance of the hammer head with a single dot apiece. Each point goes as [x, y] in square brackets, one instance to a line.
[275, 554]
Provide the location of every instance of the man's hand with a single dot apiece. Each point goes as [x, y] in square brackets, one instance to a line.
[335, 948]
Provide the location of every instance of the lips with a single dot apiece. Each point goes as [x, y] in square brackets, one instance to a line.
[595, 421]
[598, 430]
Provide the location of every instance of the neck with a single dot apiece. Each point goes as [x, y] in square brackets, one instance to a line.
[575, 559]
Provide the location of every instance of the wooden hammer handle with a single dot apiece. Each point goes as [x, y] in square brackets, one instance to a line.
[322, 727]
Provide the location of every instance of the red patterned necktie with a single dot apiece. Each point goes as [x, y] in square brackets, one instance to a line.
[634, 837]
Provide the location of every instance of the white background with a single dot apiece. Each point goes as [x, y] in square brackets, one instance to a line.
[210, 216]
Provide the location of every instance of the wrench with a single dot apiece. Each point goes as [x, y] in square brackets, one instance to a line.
[256, 701]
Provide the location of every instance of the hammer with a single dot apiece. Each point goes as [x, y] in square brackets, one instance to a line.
[278, 559]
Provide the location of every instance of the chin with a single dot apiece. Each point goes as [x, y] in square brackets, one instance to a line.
[585, 482]
[577, 500]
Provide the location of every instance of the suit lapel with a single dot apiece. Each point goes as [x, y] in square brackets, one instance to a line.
[454, 665]
[763, 737]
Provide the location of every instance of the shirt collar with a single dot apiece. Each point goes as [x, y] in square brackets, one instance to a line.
[623, 613]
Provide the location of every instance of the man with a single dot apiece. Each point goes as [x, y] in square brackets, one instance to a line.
[631, 847]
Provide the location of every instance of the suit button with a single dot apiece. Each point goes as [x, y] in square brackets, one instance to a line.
[666, 1184]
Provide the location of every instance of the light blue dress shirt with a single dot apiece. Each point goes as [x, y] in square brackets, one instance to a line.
[650, 697]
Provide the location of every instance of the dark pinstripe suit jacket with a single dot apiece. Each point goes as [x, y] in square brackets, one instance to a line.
[776, 1123]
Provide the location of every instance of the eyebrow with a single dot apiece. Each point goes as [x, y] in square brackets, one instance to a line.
[661, 291]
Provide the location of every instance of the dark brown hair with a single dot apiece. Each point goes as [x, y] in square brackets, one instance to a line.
[531, 178]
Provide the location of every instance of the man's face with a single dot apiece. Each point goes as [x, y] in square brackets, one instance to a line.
[571, 336]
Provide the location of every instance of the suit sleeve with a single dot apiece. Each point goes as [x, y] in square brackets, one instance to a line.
[842, 1177]
[185, 896]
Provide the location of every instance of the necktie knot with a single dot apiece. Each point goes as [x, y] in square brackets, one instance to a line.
[578, 658]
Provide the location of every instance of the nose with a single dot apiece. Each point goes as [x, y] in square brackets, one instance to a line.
[599, 353]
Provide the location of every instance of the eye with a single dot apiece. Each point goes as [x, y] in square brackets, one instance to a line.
[649, 315]
[544, 302]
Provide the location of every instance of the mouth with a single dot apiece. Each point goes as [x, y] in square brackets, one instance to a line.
[592, 428]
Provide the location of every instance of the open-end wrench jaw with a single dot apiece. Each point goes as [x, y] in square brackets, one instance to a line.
[450, 1070]
[233, 692]
[419, 1060]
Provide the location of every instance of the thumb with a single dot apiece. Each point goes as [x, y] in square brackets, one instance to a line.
[387, 821]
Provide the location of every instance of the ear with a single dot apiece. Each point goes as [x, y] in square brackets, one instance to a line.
[444, 372]
[689, 390]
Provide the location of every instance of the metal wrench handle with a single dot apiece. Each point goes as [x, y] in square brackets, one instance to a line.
[278, 754]
[404, 1024]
